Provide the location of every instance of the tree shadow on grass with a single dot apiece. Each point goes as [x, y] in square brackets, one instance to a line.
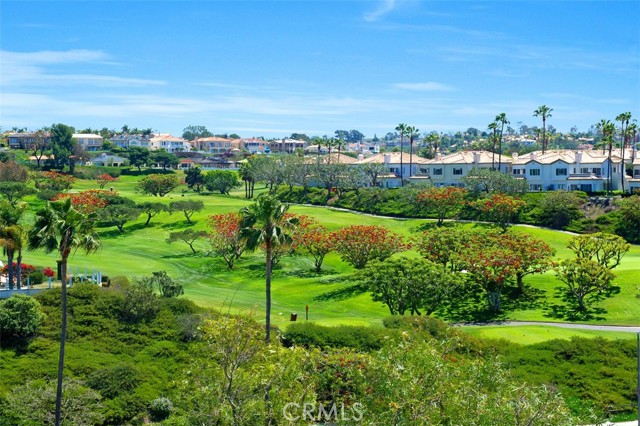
[178, 225]
[471, 306]
[128, 229]
[341, 293]
[569, 310]
[187, 253]
[309, 273]
[531, 298]
[428, 226]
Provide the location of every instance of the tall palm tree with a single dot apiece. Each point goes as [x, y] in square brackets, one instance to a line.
[402, 129]
[265, 223]
[624, 119]
[502, 120]
[411, 133]
[632, 132]
[60, 227]
[544, 112]
[493, 126]
[607, 130]
[340, 143]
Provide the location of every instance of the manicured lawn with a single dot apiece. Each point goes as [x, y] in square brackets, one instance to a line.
[530, 334]
[142, 250]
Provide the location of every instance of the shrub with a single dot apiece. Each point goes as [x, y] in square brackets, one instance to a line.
[20, 316]
[113, 381]
[313, 335]
[160, 409]
[36, 277]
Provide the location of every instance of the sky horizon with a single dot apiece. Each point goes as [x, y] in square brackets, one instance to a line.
[272, 68]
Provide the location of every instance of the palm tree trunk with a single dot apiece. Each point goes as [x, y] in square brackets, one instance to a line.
[544, 134]
[610, 170]
[19, 270]
[624, 143]
[268, 291]
[10, 268]
[410, 157]
[63, 337]
[401, 164]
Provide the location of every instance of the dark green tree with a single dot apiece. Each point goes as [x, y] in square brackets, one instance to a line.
[119, 214]
[188, 207]
[62, 146]
[221, 180]
[165, 159]
[194, 179]
[194, 132]
[138, 157]
[151, 209]
[188, 236]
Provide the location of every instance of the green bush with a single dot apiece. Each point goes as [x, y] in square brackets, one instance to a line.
[342, 336]
[36, 277]
[20, 316]
[160, 409]
[47, 194]
[114, 381]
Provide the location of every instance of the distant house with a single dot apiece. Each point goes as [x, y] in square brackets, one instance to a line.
[634, 181]
[126, 141]
[450, 170]
[287, 145]
[89, 141]
[24, 140]
[169, 143]
[108, 160]
[255, 145]
[217, 145]
[391, 162]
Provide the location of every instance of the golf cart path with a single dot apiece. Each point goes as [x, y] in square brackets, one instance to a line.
[623, 328]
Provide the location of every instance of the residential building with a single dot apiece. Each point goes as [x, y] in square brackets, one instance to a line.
[217, 145]
[392, 166]
[450, 170]
[287, 145]
[634, 181]
[126, 141]
[169, 143]
[255, 145]
[88, 141]
[108, 160]
[585, 170]
[24, 140]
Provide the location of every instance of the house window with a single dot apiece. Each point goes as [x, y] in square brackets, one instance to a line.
[561, 172]
[535, 187]
[636, 173]
[517, 171]
[597, 171]
[457, 171]
[534, 172]
[562, 187]
[437, 172]
[425, 171]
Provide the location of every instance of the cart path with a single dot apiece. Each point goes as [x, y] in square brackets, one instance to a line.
[623, 328]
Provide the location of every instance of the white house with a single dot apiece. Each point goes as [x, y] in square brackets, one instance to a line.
[169, 143]
[411, 166]
[634, 181]
[126, 141]
[450, 170]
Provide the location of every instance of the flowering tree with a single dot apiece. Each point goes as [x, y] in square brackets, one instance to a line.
[358, 244]
[314, 239]
[533, 256]
[158, 185]
[443, 245]
[224, 237]
[500, 209]
[104, 179]
[85, 202]
[442, 201]
[54, 181]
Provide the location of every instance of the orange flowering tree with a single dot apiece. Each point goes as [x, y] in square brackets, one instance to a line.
[54, 181]
[314, 240]
[500, 209]
[85, 202]
[104, 179]
[358, 244]
[224, 236]
[443, 201]
[534, 255]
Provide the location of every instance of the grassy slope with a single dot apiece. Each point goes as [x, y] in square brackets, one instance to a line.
[140, 251]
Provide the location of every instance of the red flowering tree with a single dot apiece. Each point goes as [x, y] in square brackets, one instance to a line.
[314, 240]
[104, 179]
[358, 244]
[54, 181]
[500, 209]
[224, 236]
[442, 201]
[25, 269]
[534, 256]
[48, 272]
[85, 202]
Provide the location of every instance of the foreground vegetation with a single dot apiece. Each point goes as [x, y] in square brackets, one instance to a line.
[134, 357]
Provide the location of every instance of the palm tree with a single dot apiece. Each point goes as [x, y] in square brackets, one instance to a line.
[61, 227]
[624, 119]
[544, 112]
[502, 120]
[494, 127]
[402, 129]
[11, 241]
[607, 130]
[632, 132]
[340, 143]
[264, 222]
[411, 133]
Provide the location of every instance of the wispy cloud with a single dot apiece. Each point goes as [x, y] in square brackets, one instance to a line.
[44, 57]
[384, 7]
[429, 86]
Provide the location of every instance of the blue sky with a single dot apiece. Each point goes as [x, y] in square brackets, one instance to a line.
[270, 68]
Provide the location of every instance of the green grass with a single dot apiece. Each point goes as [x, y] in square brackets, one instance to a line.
[142, 250]
[530, 334]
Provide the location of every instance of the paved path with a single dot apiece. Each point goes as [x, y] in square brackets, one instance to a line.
[624, 328]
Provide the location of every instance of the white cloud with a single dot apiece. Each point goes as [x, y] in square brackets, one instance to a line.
[384, 7]
[429, 86]
[52, 57]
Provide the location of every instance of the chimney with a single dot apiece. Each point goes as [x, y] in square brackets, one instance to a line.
[514, 155]
[438, 157]
[578, 158]
[360, 157]
[387, 158]
[476, 158]
[532, 155]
